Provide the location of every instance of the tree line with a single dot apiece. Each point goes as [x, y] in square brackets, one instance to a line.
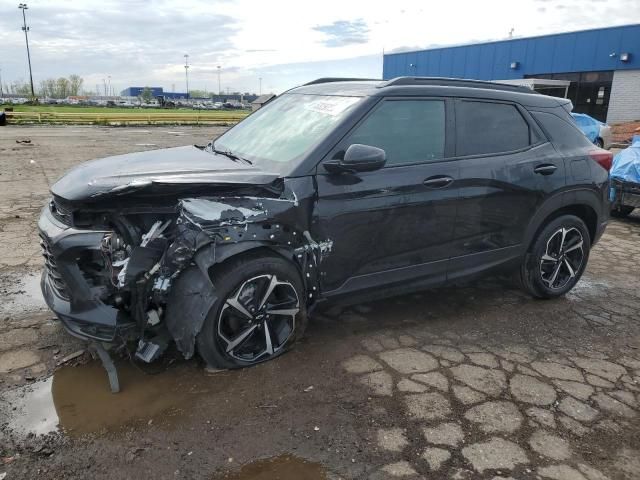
[62, 87]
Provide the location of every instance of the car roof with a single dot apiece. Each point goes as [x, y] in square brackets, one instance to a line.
[427, 86]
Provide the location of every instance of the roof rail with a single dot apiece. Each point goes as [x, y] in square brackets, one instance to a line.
[339, 79]
[454, 82]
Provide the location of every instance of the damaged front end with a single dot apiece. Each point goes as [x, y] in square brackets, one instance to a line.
[147, 275]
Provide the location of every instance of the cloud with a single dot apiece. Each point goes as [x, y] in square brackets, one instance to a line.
[128, 42]
[142, 42]
[344, 32]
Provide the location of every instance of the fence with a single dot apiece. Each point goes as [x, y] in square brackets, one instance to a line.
[139, 117]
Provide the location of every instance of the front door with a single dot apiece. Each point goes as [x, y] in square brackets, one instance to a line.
[394, 224]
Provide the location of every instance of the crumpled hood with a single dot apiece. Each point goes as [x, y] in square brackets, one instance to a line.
[181, 165]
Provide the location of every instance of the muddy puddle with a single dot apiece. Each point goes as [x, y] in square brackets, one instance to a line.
[284, 467]
[77, 400]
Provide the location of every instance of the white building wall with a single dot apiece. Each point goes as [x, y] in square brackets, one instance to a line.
[624, 102]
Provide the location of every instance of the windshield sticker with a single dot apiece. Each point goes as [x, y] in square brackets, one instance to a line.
[331, 106]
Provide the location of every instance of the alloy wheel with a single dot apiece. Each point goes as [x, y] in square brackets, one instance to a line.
[258, 319]
[563, 258]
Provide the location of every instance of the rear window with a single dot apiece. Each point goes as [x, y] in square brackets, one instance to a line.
[484, 127]
[563, 134]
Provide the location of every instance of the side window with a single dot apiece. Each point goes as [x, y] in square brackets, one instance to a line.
[408, 131]
[484, 127]
[562, 133]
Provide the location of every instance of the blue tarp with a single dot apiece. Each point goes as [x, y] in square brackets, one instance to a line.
[589, 126]
[626, 164]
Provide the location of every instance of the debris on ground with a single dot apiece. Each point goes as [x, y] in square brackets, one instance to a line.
[71, 356]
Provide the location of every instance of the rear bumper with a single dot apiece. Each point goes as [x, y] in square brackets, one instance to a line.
[65, 288]
[626, 194]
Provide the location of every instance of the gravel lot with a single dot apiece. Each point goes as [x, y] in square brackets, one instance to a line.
[476, 381]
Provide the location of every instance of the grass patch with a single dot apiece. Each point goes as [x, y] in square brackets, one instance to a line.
[107, 110]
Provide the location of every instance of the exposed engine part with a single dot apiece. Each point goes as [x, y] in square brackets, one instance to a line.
[161, 285]
[115, 252]
[154, 232]
[150, 350]
[153, 317]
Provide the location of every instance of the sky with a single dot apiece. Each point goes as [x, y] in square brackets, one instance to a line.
[284, 42]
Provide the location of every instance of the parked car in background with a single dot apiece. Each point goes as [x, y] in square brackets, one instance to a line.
[125, 104]
[333, 191]
[597, 132]
[625, 180]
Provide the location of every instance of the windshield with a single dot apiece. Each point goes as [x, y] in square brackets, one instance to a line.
[278, 135]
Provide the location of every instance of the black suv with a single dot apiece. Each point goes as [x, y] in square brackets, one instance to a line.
[340, 189]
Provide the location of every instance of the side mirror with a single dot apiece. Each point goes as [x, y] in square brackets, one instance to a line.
[358, 158]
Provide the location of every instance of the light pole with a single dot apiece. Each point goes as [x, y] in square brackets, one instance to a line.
[104, 83]
[186, 71]
[25, 29]
[109, 89]
[218, 80]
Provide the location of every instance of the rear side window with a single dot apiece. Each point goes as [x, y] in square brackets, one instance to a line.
[484, 127]
[409, 131]
[563, 134]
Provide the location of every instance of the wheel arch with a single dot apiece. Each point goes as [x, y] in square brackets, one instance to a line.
[582, 204]
[193, 293]
[212, 258]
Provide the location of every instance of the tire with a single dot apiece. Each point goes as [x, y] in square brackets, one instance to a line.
[599, 142]
[622, 211]
[239, 332]
[551, 269]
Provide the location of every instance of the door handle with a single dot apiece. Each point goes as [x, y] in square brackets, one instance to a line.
[438, 181]
[545, 169]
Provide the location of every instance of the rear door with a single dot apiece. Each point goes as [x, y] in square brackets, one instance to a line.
[507, 169]
[392, 225]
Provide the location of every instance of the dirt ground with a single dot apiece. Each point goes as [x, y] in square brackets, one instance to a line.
[471, 382]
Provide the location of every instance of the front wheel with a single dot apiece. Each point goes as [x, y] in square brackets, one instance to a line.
[557, 258]
[259, 314]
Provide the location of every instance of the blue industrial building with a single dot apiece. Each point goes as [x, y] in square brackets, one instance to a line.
[603, 66]
[155, 91]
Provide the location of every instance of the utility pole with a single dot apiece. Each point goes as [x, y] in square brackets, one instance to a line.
[25, 29]
[104, 83]
[186, 71]
[219, 90]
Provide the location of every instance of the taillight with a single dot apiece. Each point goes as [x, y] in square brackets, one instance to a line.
[603, 157]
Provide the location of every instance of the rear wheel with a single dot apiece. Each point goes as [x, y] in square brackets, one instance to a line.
[599, 142]
[259, 314]
[557, 258]
[621, 211]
